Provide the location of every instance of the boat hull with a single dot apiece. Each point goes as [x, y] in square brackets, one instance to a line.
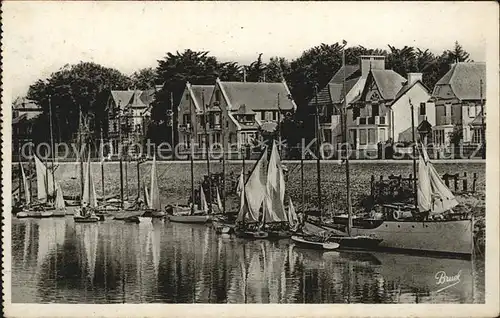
[252, 234]
[448, 237]
[189, 218]
[82, 219]
[315, 245]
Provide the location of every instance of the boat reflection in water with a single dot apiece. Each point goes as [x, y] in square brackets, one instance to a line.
[56, 260]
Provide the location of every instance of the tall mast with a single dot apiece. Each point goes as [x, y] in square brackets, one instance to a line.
[120, 153]
[207, 150]
[102, 164]
[347, 176]
[483, 127]
[302, 179]
[414, 155]
[80, 128]
[191, 150]
[52, 148]
[318, 160]
[223, 162]
[172, 123]
[279, 126]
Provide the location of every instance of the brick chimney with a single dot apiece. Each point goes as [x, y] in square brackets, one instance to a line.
[414, 77]
[374, 62]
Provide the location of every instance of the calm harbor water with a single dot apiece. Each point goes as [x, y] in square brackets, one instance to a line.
[57, 261]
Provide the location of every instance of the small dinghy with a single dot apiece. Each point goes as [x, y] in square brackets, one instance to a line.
[133, 219]
[314, 244]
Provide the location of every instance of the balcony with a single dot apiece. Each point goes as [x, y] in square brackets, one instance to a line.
[375, 120]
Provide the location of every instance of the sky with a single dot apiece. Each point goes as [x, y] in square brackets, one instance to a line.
[41, 37]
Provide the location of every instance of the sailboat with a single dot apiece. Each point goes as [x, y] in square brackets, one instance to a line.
[86, 213]
[59, 204]
[429, 225]
[275, 217]
[188, 213]
[153, 198]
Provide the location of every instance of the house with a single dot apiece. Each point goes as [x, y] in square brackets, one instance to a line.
[242, 108]
[190, 115]
[378, 104]
[128, 115]
[459, 99]
[24, 111]
[382, 110]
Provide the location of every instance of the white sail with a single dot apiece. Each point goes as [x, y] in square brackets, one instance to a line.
[27, 194]
[219, 201]
[44, 183]
[204, 205]
[443, 199]
[254, 192]
[292, 215]
[89, 194]
[424, 190]
[433, 195]
[154, 198]
[274, 210]
[59, 204]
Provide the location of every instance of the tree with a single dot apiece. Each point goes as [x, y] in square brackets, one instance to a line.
[71, 88]
[277, 69]
[144, 78]
[256, 70]
[457, 54]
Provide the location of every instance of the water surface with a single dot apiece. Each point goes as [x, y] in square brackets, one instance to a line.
[57, 261]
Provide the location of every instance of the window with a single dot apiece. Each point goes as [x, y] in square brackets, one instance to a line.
[382, 120]
[375, 110]
[477, 136]
[185, 119]
[371, 136]
[187, 96]
[422, 109]
[275, 115]
[472, 111]
[381, 134]
[262, 115]
[362, 136]
[355, 112]
[362, 121]
[217, 96]
[439, 137]
[444, 109]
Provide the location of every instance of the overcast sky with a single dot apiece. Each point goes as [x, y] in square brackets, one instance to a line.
[40, 37]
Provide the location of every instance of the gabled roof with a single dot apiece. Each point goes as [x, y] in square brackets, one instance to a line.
[332, 92]
[389, 83]
[201, 93]
[25, 103]
[122, 98]
[464, 79]
[406, 88]
[244, 110]
[258, 96]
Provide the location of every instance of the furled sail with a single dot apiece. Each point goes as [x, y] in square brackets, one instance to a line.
[274, 210]
[292, 214]
[254, 191]
[27, 194]
[241, 183]
[146, 196]
[59, 204]
[204, 204]
[219, 201]
[154, 198]
[89, 194]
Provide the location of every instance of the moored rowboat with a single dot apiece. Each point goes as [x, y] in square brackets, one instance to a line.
[312, 244]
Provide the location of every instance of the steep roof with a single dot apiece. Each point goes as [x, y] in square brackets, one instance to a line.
[478, 121]
[25, 103]
[464, 79]
[258, 96]
[332, 92]
[201, 93]
[406, 88]
[388, 82]
[244, 110]
[122, 98]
